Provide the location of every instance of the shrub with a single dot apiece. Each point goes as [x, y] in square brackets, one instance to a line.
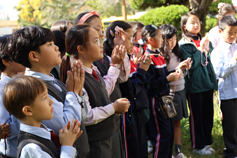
[210, 23]
[165, 15]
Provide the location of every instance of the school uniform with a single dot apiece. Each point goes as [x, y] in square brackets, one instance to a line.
[133, 123]
[38, 142]
[103, 66]
[66, 108]
[225, 67]
[99, 134]
[14, 123]
[161, 130]
[199, 84]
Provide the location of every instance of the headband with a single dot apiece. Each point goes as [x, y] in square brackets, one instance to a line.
[87, 16]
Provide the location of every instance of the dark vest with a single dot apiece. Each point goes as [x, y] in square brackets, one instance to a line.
[46, 145]
[81, 144]
[103, 68]
[98, 96]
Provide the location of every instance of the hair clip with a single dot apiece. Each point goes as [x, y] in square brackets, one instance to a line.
[68, 54]
[154, 27]
[111, 33]
[141, 42]
[106, 39]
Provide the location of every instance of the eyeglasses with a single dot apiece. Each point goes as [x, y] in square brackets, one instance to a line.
[98, 42]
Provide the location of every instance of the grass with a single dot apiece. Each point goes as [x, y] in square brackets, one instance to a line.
[218, 142]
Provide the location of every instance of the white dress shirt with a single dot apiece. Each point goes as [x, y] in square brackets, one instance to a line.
[32, 150]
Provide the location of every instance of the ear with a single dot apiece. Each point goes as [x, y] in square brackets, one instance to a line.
[81, 49]
[5, 62]
[151, 40]
[184, 27]
[27, 110]
[34, 56]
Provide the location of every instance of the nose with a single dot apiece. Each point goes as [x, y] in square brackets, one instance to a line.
[50, 101]
[56, 48]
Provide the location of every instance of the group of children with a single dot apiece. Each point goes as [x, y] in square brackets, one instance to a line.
[76, 91]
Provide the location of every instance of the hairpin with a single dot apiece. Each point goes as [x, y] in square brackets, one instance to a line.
[141, 42]
[68, 54]
[154, 26]
[111, 33]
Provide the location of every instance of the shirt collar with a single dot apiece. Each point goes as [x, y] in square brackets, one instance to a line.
[89, 69]
[42, 131]
[5, 78]
[40, 75]
[152, 52]
[225, 45]
[197, 37]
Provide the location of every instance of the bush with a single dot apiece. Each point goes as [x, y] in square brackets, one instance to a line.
[165, 15]
[210, 23]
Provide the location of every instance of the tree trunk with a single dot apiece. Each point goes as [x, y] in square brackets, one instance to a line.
[200, 8]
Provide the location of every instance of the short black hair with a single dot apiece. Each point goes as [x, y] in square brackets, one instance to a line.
[4, 51]
[229, 20]
[28, 39]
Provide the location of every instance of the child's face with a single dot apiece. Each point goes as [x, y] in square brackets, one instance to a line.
[49, 55]
[42, 108]
[158, 40]
[172, 42]
[138, 35]
[129, 41]
[229, 34]
[96, 24]
[94, 47]
[193, 25]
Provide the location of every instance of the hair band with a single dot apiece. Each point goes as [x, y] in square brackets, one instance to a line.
[87, 16]
[68, 54]
[154, 27]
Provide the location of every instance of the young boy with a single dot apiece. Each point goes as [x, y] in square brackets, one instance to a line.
[8, 68]
[26, 98]
[34, 48]
[224, 60]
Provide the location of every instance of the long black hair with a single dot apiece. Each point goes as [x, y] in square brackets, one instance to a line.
[168, 31]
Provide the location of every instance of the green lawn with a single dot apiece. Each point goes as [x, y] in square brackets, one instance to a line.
[218, 143]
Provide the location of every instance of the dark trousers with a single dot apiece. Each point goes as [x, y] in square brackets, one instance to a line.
[201, 118]
[100, 149]
[229, 125]
[161, 131]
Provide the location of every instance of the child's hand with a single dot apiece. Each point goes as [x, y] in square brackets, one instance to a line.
[186, 64]
[120, 36]
[121, 105]
[5, 130]
[146, 62]
[173, 76]
[69, 134]
[75, 78]
[137, 57]
[178, 71]
[118, 54]
[204, 44]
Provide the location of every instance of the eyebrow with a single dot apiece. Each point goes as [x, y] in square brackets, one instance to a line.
[95, 38]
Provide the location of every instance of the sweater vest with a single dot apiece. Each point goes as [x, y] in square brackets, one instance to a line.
[98, 96]
[46, 145]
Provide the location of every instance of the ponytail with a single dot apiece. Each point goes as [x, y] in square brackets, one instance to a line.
[64, 67]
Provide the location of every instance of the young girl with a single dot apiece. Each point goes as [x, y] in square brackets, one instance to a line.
[224, 9]
[134, 131]
[172, 56]
[137, 29]
[103, 65]
[82, 42]
[157, 78]
[199, 83]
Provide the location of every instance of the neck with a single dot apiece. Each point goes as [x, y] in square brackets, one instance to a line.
[9, 73]
[86, 63]
[31, 122]
[40, 69]
[151, 47]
